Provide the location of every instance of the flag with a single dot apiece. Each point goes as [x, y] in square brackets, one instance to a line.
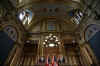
[47, 61]
[54, 63]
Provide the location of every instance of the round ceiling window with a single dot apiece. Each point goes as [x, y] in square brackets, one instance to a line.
[25, 16]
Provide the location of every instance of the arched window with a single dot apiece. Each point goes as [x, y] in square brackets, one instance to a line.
[76, 15]
[51, 25]
[25, 16]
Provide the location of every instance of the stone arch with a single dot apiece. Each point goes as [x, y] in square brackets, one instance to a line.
[15, 28]
[90, 31]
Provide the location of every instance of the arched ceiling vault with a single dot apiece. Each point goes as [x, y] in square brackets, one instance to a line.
[73, 3]
[36, 6]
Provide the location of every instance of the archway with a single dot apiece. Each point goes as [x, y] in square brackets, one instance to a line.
[92, 35]
[6, 44]
[95, 44]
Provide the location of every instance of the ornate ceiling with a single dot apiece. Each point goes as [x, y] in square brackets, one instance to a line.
[56, 9]
[61, 11]
[24, 2]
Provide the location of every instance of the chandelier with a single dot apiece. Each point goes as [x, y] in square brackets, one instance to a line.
[51, 41]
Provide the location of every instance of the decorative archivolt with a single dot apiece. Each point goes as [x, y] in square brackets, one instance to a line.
[90, 31]
[13, 31]
[84, 25]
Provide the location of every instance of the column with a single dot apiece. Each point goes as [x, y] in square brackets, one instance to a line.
[32, 61]
[66, 59]
[88, 57]
[25, 61]
[93, 57]
[70, 60]
[74, 60]
[28, 61]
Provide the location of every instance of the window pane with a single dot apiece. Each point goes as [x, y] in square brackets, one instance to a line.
[51, 26]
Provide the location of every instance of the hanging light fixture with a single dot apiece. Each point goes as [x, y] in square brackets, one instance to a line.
[51, 38]
[51, 45]
[59, 43]
[56, 40]
[44, 43]
[51, 41]
[46, 40]
[54, 36]
[47, 37]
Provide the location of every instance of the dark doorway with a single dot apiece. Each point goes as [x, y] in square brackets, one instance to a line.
[95, 45]
[6, 44]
